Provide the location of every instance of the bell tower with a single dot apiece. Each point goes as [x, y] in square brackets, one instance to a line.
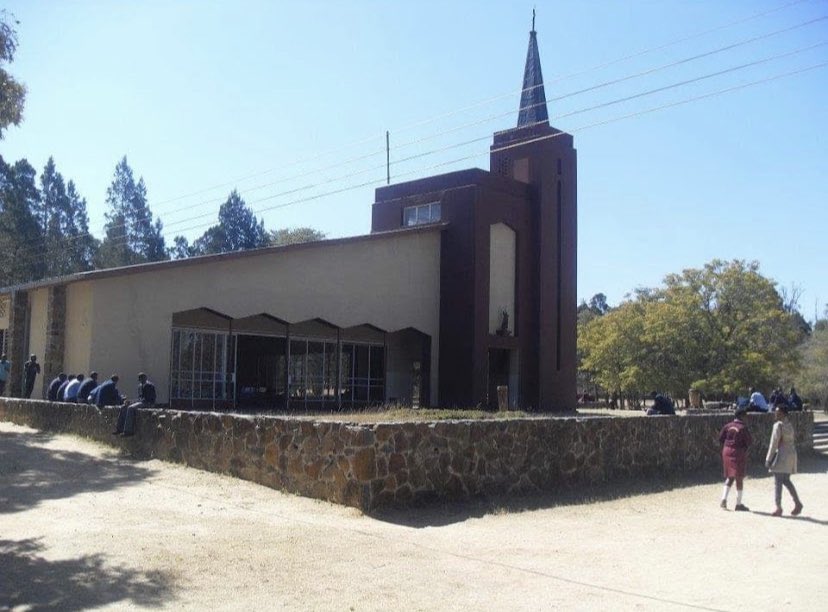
[545, 158]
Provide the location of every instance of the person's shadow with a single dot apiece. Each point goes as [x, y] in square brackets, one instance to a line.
[801, 518]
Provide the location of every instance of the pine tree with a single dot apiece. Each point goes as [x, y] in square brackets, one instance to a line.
[21, 240]
[131, 236]
[238, 229]
[84, 246]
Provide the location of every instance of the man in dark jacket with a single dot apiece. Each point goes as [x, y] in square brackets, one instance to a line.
[661, 405]
[794, 401]
[86, 387]
[146, 399]
[52, 393]
[108, 393]
[30, 371]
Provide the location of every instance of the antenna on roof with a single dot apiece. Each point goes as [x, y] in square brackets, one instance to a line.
[387, 157]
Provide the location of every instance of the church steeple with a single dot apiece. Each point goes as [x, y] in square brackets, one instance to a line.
[533, 98]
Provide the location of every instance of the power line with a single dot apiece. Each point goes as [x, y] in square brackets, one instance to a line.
[416, 156]
[486, 101]
[491, 118]
[379, 182]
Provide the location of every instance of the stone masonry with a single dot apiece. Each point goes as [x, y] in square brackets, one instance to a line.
[55, 335]
[398, 464]
[16, 346]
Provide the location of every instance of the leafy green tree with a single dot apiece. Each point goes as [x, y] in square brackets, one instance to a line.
[131, 236]
[297, 235]
[238, 229]
[21, 240]
[813, 377]
[12, 92]
[722, 329]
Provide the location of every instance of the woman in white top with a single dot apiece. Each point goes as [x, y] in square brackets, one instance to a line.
[782, 459]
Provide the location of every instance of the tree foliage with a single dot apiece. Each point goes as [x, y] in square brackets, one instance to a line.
[64, 224]
[21, 240]
[131, 236]
[285, 236]
[238, 229]
[722, 329]
[813, 377]
[12, 92]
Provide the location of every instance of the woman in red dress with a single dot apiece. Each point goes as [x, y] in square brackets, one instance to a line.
[735, 440]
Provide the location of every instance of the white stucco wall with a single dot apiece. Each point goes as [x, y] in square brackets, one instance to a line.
[392, 282]
[502, 253]
[77, 342]
[38, 303]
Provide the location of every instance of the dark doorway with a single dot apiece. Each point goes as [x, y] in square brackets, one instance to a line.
[261, 369]
[498, 374]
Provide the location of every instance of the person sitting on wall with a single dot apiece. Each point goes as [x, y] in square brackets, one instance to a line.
[107, 394]
[757, 402]
[70, 394]
[61, 393]
[661, 405]
[86, 387]
[777, 397]
[30, 371]
[5, 368]
[794, 401]
[146, 399]
[51, 393]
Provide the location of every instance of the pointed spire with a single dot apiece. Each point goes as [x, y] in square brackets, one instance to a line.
[533, 97]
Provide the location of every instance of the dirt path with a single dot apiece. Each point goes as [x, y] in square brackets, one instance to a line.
[81, 527]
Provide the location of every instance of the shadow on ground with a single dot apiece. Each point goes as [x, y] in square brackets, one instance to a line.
[30, 472]
[31, 582]
[441, 513]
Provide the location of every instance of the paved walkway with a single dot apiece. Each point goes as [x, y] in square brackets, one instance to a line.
[81, 527]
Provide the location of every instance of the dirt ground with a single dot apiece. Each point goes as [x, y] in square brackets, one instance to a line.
[81, 527]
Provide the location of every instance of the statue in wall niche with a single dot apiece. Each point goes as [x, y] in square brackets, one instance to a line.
[503, 330]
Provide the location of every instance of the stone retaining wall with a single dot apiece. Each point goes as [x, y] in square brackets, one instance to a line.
[372, 465]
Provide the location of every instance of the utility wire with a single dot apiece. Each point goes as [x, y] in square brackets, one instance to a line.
[479, 122]
[379, 182]
[487, 101]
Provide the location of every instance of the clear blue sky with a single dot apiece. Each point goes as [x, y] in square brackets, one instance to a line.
[199, 94]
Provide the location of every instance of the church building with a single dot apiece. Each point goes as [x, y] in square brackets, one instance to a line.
[466, 282]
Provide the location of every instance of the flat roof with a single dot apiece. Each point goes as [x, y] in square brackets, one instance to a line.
[202, 259]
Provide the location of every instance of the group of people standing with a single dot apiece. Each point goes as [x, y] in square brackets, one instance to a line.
[781, 458]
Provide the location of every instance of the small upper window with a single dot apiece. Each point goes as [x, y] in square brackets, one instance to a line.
[424, 213]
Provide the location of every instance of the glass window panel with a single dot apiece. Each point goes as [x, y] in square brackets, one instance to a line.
[435, 212]
[208, 352]
[377, 363]
[361, 365]
[330, 370]
[423, 214]
[377, 394]
[410, 216]
[361, 394]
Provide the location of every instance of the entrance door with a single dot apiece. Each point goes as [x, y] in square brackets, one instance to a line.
[260, 372]
[498, 373]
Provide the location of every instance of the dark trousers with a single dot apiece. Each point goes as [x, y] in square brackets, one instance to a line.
[784, 479]
[2, 387]
[28, 387]
[126, 418]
